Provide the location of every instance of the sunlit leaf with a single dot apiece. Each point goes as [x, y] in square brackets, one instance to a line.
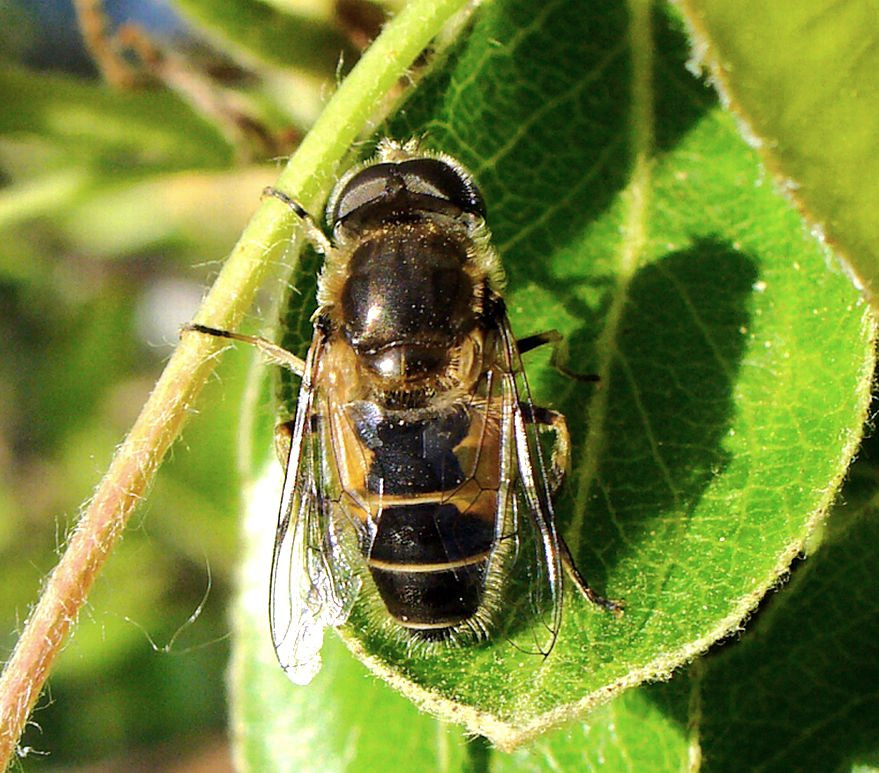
[802, 77]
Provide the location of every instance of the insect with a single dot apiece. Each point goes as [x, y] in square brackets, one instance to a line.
[414, 464]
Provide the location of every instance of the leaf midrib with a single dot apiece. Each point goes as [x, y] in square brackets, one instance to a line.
[636, 198]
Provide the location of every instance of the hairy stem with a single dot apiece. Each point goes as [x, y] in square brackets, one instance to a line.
[307, 176]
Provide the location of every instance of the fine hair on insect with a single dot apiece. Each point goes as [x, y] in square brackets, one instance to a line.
[416, 477]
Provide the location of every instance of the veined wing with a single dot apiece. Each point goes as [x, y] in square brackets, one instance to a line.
[313, 584]
[525, 510]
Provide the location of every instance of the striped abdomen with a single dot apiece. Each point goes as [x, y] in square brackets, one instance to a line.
[434, 515]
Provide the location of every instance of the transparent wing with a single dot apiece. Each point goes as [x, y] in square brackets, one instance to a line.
[526, 520]
[313, 582]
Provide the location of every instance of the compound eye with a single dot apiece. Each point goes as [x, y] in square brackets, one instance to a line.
[426, 178]
[367, 185]
[434, 177]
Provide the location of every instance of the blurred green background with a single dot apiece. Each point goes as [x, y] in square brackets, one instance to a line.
[129, 164]
[119, 202]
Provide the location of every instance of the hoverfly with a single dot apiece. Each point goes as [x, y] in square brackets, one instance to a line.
[413, 463]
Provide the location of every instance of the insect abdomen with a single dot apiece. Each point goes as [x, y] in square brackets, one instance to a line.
[435, 525]
[428, 561]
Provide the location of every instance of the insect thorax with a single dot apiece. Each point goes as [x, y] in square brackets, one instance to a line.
[408, 299]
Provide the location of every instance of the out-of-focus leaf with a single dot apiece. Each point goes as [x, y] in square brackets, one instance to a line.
[133, 695]
[108, 130]
[168, 209]
[801, 76]
[256, 29]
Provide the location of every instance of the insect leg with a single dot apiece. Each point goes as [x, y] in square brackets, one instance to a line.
[316, 237]
[528, 343]
[284, 440]
[559, 359]
[611, 605]
[560, 458]
[559, 462]
[272, 352]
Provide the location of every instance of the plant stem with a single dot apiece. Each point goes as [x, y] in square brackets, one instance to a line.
[307, 177]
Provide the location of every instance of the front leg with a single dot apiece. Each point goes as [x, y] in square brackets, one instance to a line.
[271, 351]
[559, 357]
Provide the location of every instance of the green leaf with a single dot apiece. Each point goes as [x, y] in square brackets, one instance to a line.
[802, 77]
[346, 719]
[257, 30]
[735, 358]
[113, 131]
[807, 671]
[643, 729]
[796, 693]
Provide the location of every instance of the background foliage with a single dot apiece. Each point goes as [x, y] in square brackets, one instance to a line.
[736, 361]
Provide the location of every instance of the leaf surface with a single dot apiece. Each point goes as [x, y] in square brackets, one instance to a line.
[643, 729]
[735, 358]
[797, 691]
[802, 77]
[255, 29]
[808, 671]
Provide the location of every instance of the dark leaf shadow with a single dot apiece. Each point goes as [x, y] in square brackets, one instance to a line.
[669, 402]
[547, 121]
[798, 690]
